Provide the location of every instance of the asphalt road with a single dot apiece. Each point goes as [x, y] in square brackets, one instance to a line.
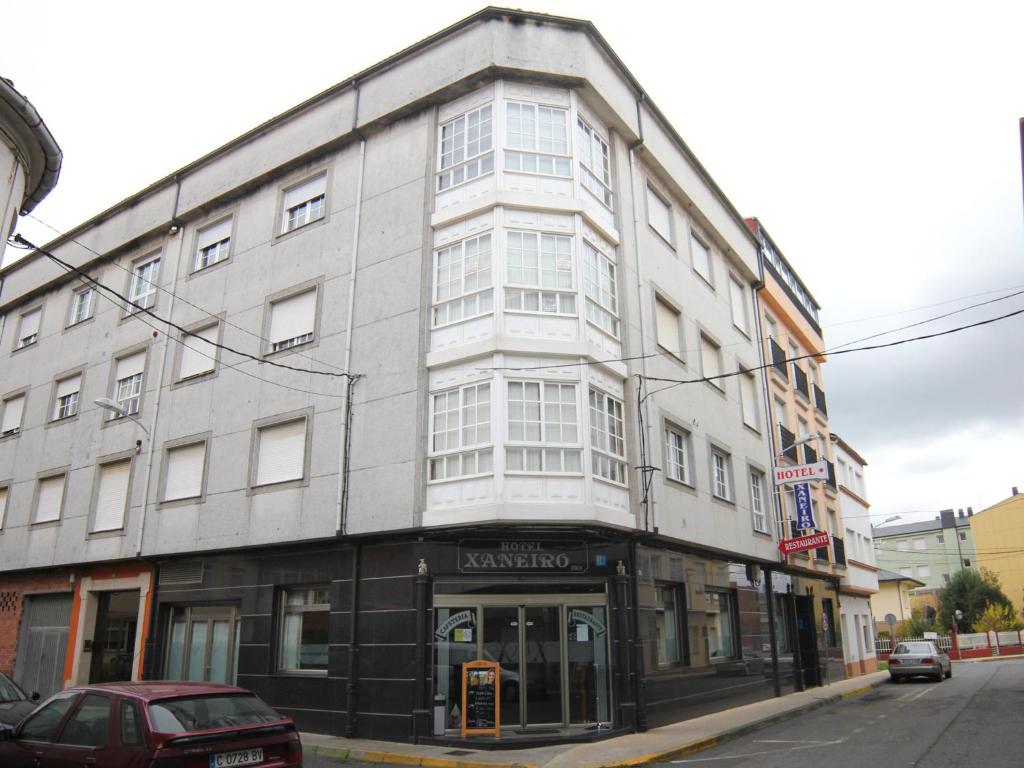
[973, 720]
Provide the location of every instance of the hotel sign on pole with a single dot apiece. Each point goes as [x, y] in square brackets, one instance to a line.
[801, 473]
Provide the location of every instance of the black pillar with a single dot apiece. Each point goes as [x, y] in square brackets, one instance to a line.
[624, 684]
[772, 629]
[422, 723]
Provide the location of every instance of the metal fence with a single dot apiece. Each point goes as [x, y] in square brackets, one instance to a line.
[944, 642]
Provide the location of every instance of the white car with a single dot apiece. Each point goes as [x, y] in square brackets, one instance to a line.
[919, 657]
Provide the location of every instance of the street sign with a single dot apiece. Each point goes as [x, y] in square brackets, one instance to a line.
[804, 508]
[801, 473]
[803, 543]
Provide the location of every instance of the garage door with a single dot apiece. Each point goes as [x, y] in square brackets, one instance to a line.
[42, 643]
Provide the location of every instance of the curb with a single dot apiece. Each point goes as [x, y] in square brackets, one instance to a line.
[682, 750]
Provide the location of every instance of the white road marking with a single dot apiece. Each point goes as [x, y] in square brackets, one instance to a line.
[803, 745]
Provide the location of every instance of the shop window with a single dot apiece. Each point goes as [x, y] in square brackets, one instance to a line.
[203, 644]
[664, 627]
[305, 615]
[721, 625]
[455, 643]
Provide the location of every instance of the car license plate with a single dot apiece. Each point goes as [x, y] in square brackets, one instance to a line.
[241, 757]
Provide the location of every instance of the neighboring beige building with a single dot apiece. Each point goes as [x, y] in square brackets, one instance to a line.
[999, 540]
[891, 604]
[29, 158]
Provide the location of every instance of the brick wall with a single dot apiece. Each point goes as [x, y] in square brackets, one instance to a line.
[13, 589]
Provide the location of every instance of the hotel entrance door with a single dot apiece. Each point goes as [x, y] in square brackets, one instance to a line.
[553, 652]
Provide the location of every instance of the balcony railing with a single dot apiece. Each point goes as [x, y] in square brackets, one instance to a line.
[830, 481]
[819, 400]
[800, 381]
[786, 447]
[839, 550]
[821, 554]
[779, 359]
[810, 455]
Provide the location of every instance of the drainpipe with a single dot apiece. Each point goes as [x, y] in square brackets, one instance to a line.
[346, 407]
[633, 175]
[175, 231]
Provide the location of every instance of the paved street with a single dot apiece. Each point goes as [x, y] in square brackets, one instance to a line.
[970, 720]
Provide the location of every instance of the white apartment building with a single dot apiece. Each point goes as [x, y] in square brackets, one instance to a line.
[367, 401]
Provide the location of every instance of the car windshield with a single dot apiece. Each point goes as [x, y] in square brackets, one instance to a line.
[903, 648]
[9, 691]
[201, 713]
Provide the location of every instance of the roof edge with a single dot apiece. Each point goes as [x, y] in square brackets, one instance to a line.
[45, 179]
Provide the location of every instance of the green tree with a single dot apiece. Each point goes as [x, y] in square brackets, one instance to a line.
[997, 618]
[971, 592]
[915, 626]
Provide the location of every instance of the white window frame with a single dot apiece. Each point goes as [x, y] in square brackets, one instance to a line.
[5, 496]
[532, 150]
[306, 211]
[24, 340]
[473, 280]
[6, 403]
[128, 390]
[721, 474]
[549, 452]
[600, 283]
[214, 252]
[552, 289]
[142, 283]
[757, 501]
[748, 398]
[457, 164]
[452, 456]
[607, 437]
[66, 406]
[322, 591]
[595, 163]
[302, 339]
[76, 315]
[705, 261]
[678, 455]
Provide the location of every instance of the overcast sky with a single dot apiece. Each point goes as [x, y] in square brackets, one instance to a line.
[877, 142]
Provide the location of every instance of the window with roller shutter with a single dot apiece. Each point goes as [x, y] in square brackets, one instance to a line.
[111, 496]
[129, 372]
[213, 244]
[280, 453]
[49, 499]
[28, 328]
[198, 353]
[185, 472]
[304, 203]
[292, 321]
[5, 492]
[66, 397]
[13, 410]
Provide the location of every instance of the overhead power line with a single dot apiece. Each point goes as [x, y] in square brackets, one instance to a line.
[170, 323]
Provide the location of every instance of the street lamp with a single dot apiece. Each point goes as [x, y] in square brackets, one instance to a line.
[958, 616]
[115, 408]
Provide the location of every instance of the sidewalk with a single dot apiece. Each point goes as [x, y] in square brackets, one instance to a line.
[656, 744]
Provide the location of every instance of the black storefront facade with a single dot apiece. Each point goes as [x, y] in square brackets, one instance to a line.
[595, 631]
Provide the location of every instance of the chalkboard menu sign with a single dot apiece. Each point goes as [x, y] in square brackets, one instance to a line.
[481, 704]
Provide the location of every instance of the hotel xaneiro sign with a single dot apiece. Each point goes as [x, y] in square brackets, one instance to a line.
[522, 556]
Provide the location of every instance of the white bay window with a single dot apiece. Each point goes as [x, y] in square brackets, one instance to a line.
[467, 148]
[595, 166]
[542, 413]
[542, 263]
[607, 441]
[463, 281]
[537, 138]
[600, 287]
[461, 432]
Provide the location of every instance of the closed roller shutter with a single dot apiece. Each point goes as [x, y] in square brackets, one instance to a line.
[282, 453]
[112, 496]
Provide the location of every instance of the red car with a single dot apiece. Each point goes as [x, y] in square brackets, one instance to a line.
[152, 725]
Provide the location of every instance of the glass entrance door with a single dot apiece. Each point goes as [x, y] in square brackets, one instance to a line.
[542, 661]
[553, 652]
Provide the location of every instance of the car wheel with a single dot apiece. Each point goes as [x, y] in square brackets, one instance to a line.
[938, 675]
[894, 678]
[949, 672]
